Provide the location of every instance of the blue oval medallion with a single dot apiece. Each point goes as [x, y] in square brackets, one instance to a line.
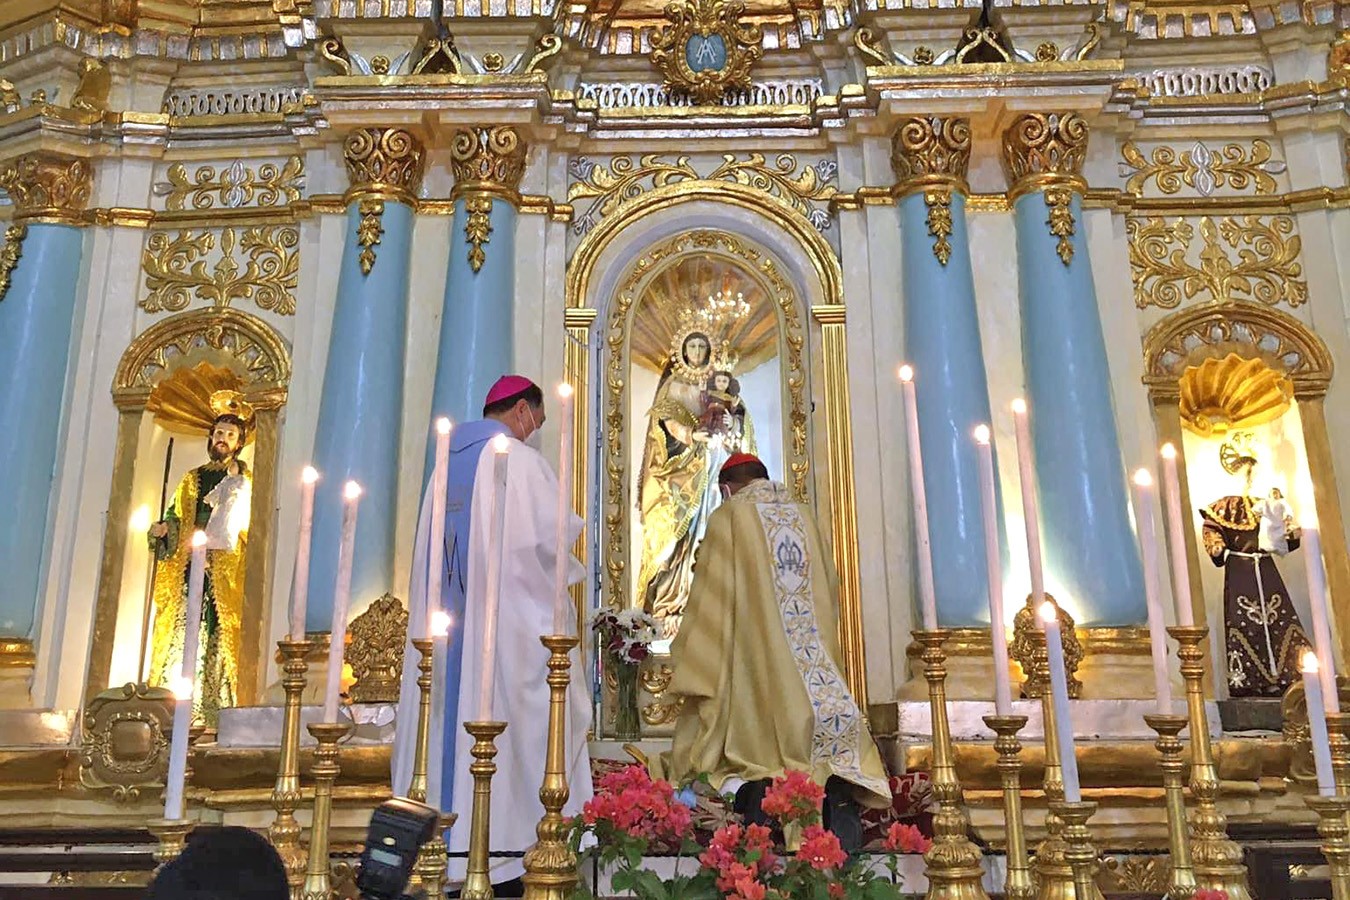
[705, 53]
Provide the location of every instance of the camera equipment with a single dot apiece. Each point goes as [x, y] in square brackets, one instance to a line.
[398, 829]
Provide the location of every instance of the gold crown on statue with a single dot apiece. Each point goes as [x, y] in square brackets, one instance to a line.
[231, 403]
[1237, 453]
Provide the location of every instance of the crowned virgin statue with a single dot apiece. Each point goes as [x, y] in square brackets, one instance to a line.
[697, 420]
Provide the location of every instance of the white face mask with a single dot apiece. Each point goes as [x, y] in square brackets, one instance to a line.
[534, 440]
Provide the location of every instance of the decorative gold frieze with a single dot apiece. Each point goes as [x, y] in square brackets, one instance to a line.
[1201, 168]
[1252, 256]
[48, 186]
[932, 154]
[10, 252]
[706, 50]
[368, 232]
[384, 162]
[375, 653]
[1046, 152]
[477, 227]
[176, 270]
[232, 187]
[799, 186]
[488, 160]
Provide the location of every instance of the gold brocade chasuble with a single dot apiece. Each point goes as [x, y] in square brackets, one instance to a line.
[222, 606]
[757, 661]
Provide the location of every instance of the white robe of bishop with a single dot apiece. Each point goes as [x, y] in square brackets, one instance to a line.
[520, 692]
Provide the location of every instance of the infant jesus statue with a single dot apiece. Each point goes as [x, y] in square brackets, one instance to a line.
[723, 411]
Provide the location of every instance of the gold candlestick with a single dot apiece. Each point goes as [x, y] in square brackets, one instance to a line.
[172, 835]
[417, 787]
[1182, 883]
[1337, 724]
[477, 885]
[284, 831]
[1081, 855]
[326, 770]
[1018, 884]
[1331, 825]
[429, 870]
[952, 864]
[1217, 860]
[550, 865]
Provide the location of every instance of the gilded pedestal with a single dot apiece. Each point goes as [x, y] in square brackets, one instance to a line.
[1331, 825]
[1018, 884]
[284, 831]
[477, 884]
[550, 865]
[1181, 883]
[326, 770]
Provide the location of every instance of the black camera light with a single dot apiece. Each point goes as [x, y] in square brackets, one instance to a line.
[398, 829]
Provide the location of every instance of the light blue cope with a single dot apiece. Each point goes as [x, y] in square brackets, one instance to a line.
[942, 343]
[36, 319]
[1089, 548]
[477, 321]
[360, 416]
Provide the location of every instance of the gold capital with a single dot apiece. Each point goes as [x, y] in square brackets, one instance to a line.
[930, 150]
[488, 160]
[386, 163]
[48, 187]
[1045, 152]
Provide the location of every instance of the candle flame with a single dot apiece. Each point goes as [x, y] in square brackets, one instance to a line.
[1143, 478]
[140, 519]
[198, 539]
[1168, 451]
[907, 373]
[440, 623]
[1019, 407]
[443, 425]
[500, 444]
[183, 688]
[981, 434]
[351, 491]
[565, 391]
[1310, 664]
[309, 474]
[1048, 612]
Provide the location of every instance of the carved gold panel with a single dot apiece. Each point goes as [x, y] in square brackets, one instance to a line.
[125, 745]
[259, 263]
[378, 638]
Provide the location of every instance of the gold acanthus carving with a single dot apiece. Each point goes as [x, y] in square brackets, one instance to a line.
[1059, 199]
[384, 162]
[1046, 152]
[1201, 168]
[234, 186]
[176, 270]
[799, 186]
[1252, 256]
[939, 203]
[700, 22]
[932, 154]
[48, 186]
[375, 653]
[488, 160]
[368, 232]
[1028, 649]
[477, 227]
[10, 251]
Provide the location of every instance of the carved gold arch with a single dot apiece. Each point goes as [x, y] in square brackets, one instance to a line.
[828, 317]
[1192, 336]
[250, 348]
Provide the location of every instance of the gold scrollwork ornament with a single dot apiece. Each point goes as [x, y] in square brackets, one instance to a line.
[932, 154]
[10, 252]
[384, 162]
[175, 268]
[706, 50]
[375, 653]
[489, 160]
[477, 227]
[49, 186]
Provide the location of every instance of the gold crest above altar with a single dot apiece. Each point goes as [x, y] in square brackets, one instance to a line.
[706, 50]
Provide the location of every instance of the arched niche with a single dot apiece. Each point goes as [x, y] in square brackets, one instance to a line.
[260, 359]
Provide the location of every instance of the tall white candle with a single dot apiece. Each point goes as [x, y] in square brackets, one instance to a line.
[440, 475]
[183, 686]
[1146, 517]
[564, 552]
[1026, 477]
[1059, 696]
[492, 602]
[300, 593]
[1317, 726]
[927, 594]
[342, 596]
[998, 633]
[1176, 524]
[1317, 597]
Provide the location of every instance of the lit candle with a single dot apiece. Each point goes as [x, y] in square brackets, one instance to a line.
[1176, 524]
[997, 629]
[183, 685]
[1317, 726]
[564, 552]
[1317, 596]
[342, 596]
[1026, 476]
[927, 595]
[300, 592]
[1145, 515]
[440, 475]
[1059, 695]
[492, 602]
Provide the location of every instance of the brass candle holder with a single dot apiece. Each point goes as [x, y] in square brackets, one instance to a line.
[172, 836]
[1332, 825]
[952, 864]
[429, 869]
[1337, 723]
[1217, 859]
[417, 786]
[1182, 880]
[326, 769]
[1080, 854]
[284, 831]
[550, 865]
[477, 884]
[1018, 884]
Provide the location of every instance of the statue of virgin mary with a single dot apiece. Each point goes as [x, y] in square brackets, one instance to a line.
[677, 487]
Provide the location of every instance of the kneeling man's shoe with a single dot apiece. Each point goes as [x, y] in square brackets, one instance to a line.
[749, 802]
[842, 816]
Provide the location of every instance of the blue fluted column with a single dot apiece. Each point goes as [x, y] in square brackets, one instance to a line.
[361, 410]
[1091, 555]
[931, 156]
[477, 317]
[40, 260]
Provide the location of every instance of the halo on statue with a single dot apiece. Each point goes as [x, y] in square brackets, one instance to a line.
[232, 403]
[690, 326]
